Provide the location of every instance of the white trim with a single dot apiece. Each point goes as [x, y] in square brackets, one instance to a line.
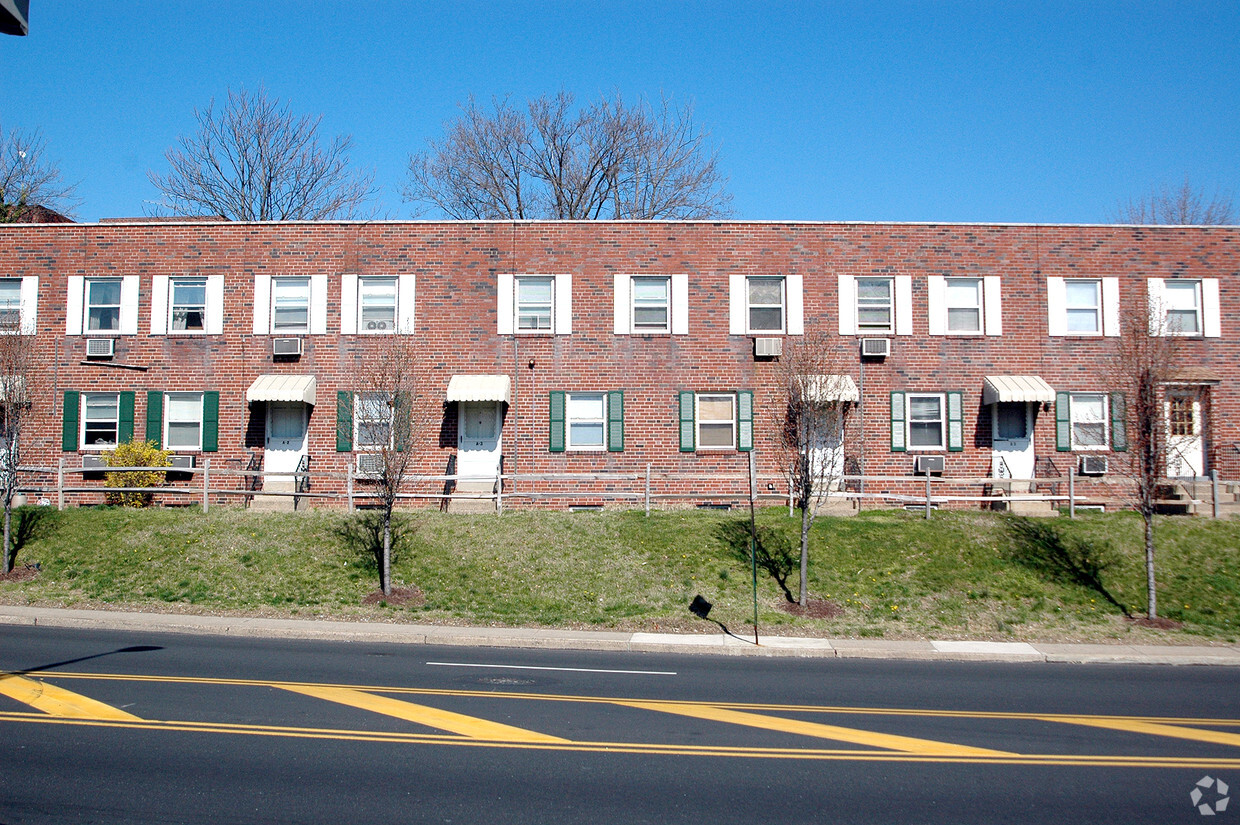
[262, 304]
[697, 420]
[794, 300]
[1156, 305]
[992, 305]
[215, 305]
[406, 303]
[1056, 307]
[847, 304]
[129, 305]
[680, 303]
[621, 301]
[1211, 311]
[160, 287]
[75, 304]
[942, 420]
[505, 304]
[936, 304]
[562, 312]
[1110, 307]
[568, 423]
[738, 304]
[112, 445]
[904, 304]
[167, 422]
[318, 304]
[1072, 421]
[348, 304]
[30, 304]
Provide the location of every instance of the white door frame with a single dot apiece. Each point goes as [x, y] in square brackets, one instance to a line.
[1186, 457]
[286, 452]
[1016, 453]
[479, 458]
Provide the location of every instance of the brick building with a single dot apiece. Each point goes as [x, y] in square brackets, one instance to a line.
[592, 347]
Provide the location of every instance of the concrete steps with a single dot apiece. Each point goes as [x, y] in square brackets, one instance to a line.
[458, 503]
[275, 504]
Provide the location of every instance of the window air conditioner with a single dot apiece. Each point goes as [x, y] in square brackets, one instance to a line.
[768, 347]
[286, 346]
[1093, 465]
[376, 325]
[181, 462]
[93, 462]
[926, 464]
[875, 347]
[370, 465]
[99, 347]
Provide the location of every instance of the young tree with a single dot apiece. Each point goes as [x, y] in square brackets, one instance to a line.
[1184, 205]
[607, 160]
[816, 396]
[381, 416]
[256, 161]
[18, 372]
[28, 178]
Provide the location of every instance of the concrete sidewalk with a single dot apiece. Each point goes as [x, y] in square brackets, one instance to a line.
[713, 643]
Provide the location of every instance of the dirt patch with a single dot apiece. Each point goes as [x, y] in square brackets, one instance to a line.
[814, 609]
[20, 574]
[399, 597]
[1160, 623]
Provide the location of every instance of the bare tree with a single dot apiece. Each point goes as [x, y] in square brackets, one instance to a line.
[18, 371]
[384, 425]
[607, 160]
[28, 178]
[256, 161]
[1185, 205]
[816, 395]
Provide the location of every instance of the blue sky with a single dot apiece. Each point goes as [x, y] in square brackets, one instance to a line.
[1004, 112]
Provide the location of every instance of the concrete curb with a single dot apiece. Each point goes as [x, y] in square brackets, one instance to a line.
[713, 643]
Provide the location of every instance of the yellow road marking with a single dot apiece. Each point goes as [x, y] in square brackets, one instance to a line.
[1153, 728]
[776, 723]
[470, 726]
[57, 701]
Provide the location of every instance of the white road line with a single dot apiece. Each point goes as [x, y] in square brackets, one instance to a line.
[565, 669]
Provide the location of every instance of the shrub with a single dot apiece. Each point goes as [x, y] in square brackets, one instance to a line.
[135, 454]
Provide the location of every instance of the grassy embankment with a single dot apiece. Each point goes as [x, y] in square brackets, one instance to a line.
[891, 574]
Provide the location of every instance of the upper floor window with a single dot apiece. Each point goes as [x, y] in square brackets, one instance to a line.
[103, 304]
[876, 304]
[963, 306]
[286, 305]
[652, 305]
[1082, 306]
[290, 305]
[1083, 303]
[1182, 305]
[376, 303]
[765, 304]
[534, 304]
[188, 305]
[183, 420]
[97, 306]
[10, 303]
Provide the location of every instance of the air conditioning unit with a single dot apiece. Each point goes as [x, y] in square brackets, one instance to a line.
[93, 462]
[1093, 465]
[100, 347]
[370, 465]
[181, 462]
[926, 464]
[875, 347]
[768, 347]
[286, 346]
[378, 326]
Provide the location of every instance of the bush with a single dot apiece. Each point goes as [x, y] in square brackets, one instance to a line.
[135, 454]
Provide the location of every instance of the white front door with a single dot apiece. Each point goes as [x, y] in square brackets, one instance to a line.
[1185, 450]
[478, 439]
[286, 441]
[1012, 453]
[827, 454]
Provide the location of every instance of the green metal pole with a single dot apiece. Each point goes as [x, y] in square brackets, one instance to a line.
[753, 547]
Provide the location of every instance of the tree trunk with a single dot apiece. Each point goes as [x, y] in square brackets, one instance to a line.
[8, 524]
[385, 568]
[806, 521]
[1151, 594]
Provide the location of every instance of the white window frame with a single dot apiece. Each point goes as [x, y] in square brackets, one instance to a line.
[699, 421]
[363, 403]
[570, 419]
[1076, 401]
[890, 327]
[1206, 293]
[1095, 308]
[508, 309]
[666, 305]
[990, 308]
[375, 286]
[909, 421]
[279, 284]
[173, 285]
[1107, 308]
[11, 308]
[534, 308]
[116, 421]
[977, 305]
[170, 419]
[750, 306]
[624, 307]
[87, 306]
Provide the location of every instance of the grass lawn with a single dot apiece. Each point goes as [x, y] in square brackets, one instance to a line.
[890, 574]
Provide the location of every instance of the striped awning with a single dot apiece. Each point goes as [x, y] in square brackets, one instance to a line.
[283, 388]
[820, 389]
[996, 388]
[480, 388]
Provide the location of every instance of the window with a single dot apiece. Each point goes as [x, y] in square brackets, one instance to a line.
[100, 420]
[103, 305]
[372, 421]
[765, 304]
[188, 307]
[1089, 420]
[1182, 414]
[875, 305]
[10, 303]
[376, 301]
[964, 305]
[716, 422]
[183, 420]
[925, 422]
[1182, 304]
[651, 305]
[535, 302]
[1083, 302]
[290, 305]
[586, 414]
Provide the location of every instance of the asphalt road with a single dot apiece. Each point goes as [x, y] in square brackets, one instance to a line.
[109, 727]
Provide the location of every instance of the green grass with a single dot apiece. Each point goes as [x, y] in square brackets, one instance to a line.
[894, 574]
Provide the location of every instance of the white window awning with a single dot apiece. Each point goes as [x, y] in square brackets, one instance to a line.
[283, 388]
[821, 389]
[998, 388]
[480, 388]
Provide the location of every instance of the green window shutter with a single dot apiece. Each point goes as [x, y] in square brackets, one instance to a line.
[955, 421]
[69, 423]
[898, 444]
[555, 438]
[125, 433]
[210, 422]
[155, 418]
[1063, 422]
[615, 421]
[688, 440]
[744, 421]
[1119, 423]
[344, 421]
[401, 415]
